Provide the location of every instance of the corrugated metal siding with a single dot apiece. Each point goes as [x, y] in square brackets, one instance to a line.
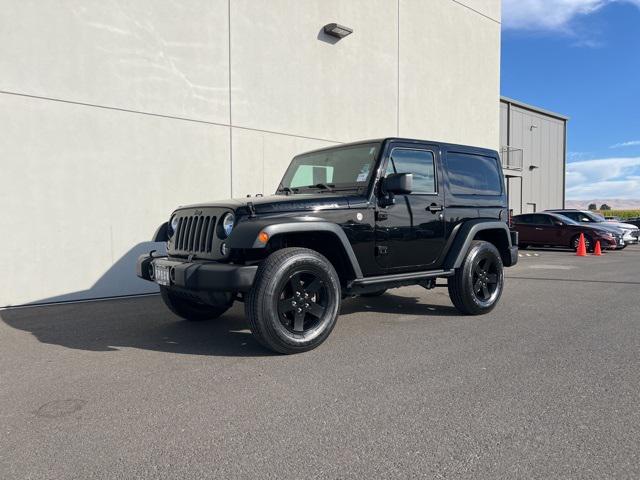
[543, 146]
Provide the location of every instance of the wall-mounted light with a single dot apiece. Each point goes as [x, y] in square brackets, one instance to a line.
[338, 31]
[533, 167]
[532, 127]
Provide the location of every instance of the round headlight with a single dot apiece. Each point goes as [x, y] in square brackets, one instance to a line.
[227, 223]
[173, 225]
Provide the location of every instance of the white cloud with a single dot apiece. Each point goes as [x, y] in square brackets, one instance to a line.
[602, 178]
[549, 14]
[632, 143]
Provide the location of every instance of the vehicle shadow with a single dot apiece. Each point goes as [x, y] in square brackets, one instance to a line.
[138, 322]
[118, 280]
[393, 304]
[145, 323]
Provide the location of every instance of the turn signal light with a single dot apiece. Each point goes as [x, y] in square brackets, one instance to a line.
[263, 237]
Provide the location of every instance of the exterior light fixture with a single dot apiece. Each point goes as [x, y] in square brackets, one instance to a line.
[336, 30]
[533, 167]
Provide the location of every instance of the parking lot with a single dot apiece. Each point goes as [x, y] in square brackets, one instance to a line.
[545, 386]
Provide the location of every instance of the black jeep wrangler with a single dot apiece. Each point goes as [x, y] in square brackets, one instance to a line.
[354, 219]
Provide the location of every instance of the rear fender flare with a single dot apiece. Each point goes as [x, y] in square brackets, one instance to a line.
[465, 236]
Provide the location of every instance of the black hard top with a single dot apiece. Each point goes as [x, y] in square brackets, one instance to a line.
[443, 145]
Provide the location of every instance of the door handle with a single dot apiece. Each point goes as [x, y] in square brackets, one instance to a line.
[434, 208]
[538, 228]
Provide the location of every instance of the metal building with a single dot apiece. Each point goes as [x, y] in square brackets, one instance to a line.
[533, 148]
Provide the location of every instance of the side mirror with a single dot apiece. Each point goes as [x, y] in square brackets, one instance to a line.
[558, 223]
[398, 183]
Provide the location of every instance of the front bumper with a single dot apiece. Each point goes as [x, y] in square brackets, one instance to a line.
[610, 243]
[199, 275]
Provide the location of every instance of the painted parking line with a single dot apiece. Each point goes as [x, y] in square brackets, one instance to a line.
[551, 267]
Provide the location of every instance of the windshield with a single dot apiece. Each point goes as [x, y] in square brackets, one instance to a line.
[593, 217]
[340, 168]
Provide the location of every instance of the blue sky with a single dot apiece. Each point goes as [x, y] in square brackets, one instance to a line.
[581, 58]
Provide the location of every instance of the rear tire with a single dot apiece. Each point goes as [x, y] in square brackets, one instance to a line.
[190, 310]
[477, 285]
[294, 302]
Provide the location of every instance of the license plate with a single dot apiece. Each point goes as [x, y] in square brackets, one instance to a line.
[161, 275]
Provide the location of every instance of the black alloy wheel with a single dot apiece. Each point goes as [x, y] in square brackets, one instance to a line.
[485, 277]
[302, 302]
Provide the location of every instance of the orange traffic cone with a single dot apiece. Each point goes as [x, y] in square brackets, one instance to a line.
[597, 252]
[582, 248]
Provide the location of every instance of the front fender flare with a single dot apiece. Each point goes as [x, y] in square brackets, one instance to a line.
[245, 235]
[162, 233]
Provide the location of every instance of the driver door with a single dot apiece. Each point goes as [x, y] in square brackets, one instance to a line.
[410, 233]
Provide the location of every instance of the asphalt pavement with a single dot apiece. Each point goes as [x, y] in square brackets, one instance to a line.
[545, 386]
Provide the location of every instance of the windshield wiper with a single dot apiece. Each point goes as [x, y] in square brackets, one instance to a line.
[321, 186]
[288, 190]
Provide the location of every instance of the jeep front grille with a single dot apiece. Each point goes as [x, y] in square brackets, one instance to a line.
[195, 234]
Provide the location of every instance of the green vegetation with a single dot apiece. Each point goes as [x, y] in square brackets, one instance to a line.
[620, 213]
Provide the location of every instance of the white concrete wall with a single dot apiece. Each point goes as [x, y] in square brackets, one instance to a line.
[113, 112]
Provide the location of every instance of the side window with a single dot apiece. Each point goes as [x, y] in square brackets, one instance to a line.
[541, 220]
[524, 219]
[419, 162]
[571, 215]
[473, 174]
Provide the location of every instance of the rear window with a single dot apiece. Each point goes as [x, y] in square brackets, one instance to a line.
[473, 174]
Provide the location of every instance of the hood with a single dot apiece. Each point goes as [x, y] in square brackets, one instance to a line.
[287, 203]
[626, 226]
[599, 227]
[602, 226]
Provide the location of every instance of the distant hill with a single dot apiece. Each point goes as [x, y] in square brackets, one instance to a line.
[614, 203]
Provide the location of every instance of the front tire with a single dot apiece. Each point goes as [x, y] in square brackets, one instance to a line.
[191, 310]
[294, 302]
[588, 242]
[477, 285]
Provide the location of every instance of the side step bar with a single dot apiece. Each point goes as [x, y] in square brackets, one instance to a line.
[401, 278]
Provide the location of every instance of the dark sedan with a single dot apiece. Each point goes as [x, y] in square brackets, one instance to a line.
[549, 229]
